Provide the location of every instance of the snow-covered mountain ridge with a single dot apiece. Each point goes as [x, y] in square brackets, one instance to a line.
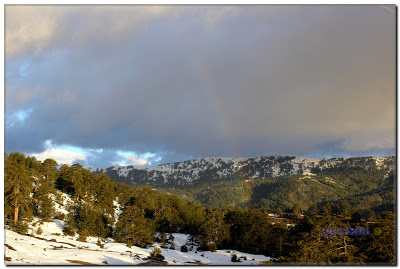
[227, 169]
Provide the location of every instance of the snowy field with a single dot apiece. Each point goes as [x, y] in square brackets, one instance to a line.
[53, 248]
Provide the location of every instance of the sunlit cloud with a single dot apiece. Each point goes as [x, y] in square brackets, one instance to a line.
[132, 158]
[61, 156]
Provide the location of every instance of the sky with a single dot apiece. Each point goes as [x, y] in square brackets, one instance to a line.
[153, 84]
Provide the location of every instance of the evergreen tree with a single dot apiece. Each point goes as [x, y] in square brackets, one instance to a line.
[327, 209]
[132, 228]
[214, 230]
[314, 209]
[379, 246]
[296, 210]
[371, 216]
[45, 204]
[193, 217]
[356, 217]
[104, 189]
[64, 181]
[167, 220]
[345, 209]
[312, 246]
[18, 186]
[45, 189]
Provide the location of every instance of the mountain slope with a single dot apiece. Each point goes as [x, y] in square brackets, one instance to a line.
[53, 248]
[199, 171]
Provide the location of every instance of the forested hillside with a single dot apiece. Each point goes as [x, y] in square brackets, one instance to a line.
[359, 182]
[95, 205]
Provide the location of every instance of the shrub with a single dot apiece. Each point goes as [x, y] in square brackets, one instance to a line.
[171, 238]
[39, 230]
[156, 254]
[99, 243]
[184, 248]
[212, 247]
[83, 236]
[60, 216]
[21, 227]
[68, 231]
[234, 258]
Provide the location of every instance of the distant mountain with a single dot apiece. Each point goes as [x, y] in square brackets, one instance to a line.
[215, 169]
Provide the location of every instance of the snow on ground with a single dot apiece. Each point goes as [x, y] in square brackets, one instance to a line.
[53, 248]
[62, 204]
[117, 211]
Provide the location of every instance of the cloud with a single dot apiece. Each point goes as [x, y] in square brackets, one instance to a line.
[135, 160]
[132, 158]
[59, 155]
[194, 81]
[33, 29]
[368, 141]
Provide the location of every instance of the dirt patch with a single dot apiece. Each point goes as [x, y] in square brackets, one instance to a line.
[80, 262]
[10, 247]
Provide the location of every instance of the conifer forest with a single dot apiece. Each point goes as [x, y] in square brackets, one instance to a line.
[330, 233]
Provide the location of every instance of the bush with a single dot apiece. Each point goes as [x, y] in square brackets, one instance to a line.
[39, 230]
[60, 216]
[68, 231]
[21, 227]
[99, 243]
[184, 248]
[171, 238]
[83, 236]
[156, 254]
[212, 247]
[234, 258]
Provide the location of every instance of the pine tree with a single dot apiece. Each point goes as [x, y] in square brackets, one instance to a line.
[64, 180]
[18, 185]
[104, 189]
[345, 209]
[296, 210]
[312, 246]
[371, 216]
[214, 230]
[380, 245]
[132, 228]
[46, 209]
[314, 209]
[45, 189]
[327, 209]
[167, 220]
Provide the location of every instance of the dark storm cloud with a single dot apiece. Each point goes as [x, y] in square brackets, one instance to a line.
[206, 81]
